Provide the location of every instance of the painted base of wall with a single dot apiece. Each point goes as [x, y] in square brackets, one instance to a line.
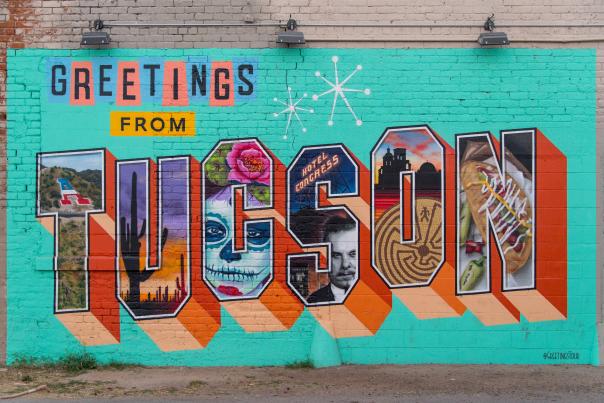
[599, 358]
[324, 350]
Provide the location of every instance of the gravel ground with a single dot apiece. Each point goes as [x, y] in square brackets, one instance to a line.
[383, 383]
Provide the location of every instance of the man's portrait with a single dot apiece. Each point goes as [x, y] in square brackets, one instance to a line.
[341, 232]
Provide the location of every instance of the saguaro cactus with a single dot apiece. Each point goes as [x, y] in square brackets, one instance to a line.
[130, 245]
[180, 282]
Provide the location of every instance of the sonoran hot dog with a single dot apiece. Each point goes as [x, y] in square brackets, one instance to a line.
[507, 203]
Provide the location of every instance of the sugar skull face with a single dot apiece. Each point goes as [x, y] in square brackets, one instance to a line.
[235, 275]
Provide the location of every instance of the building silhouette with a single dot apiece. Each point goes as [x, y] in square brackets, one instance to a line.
[392, 166]
[427, 177]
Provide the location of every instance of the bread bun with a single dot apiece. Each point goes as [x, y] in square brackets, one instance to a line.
[509, 206]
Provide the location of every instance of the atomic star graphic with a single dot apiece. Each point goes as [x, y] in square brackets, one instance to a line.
[292, 108]
[338, 89]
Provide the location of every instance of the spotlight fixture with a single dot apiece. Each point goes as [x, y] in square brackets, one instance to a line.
[96, 37]
[492, 38]
[290, 36]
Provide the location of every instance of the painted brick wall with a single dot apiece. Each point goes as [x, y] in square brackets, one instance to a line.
[231, 319]
[59, 24]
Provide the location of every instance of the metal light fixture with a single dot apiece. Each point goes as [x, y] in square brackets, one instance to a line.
[96, 37]
[491, 38]
[290, 36]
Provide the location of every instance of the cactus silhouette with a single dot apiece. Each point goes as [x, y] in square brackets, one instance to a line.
[180, 283]
[130, 246]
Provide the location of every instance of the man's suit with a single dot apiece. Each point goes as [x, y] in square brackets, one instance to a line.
[323, 294]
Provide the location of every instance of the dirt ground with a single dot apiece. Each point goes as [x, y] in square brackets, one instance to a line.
[384, 383]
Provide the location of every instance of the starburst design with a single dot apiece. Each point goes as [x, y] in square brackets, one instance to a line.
[292, 108]
[339, 91]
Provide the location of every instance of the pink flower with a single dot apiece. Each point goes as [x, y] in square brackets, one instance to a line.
[248, 164]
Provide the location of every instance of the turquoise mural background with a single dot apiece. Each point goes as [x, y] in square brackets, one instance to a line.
[451, 90]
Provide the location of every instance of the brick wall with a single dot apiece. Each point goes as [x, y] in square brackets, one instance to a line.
[59, 25]
[15, 19]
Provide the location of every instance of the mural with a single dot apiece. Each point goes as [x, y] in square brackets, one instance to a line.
[357, 211]
[330, 170]
[407, 205]
[232, 271]
[498, 200]
[153, 249]
[70, 185]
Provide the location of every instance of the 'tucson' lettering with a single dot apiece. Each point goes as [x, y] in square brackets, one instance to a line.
[238, 254]
[153, 236]
[474, 230]
[408, 199]
[332, 171]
